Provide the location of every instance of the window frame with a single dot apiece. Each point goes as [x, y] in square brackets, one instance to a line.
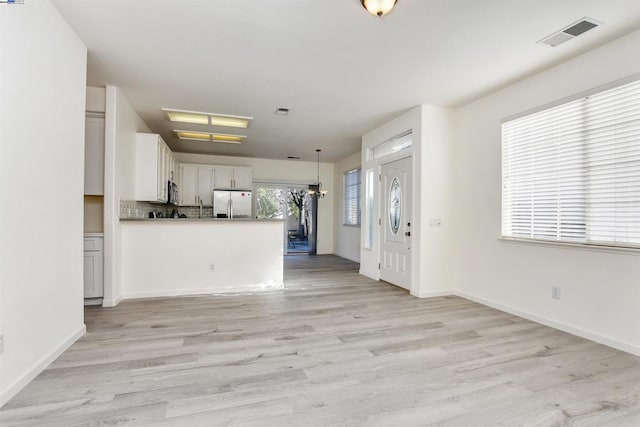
[358, 198]
[624, 247]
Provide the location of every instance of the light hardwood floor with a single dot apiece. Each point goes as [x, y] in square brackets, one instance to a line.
[333, 349]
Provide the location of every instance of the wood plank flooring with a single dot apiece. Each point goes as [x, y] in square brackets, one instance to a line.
[333, 349]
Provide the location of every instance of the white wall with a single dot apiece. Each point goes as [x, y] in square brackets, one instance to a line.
[121, 125]
[285, 171]
[432, 248]
[347, 237]
[166, 258]
[436, 171]
[42, 102]
[600, 292]
[96, 97]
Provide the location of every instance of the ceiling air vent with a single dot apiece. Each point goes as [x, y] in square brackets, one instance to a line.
[293, 157]
[282, 111]
[574, 30]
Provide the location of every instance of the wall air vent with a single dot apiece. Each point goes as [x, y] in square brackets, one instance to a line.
[282, 111]
[293, 157]
[574, 30]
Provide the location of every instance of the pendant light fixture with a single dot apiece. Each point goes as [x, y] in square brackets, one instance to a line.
[378, 8]
[316, 190]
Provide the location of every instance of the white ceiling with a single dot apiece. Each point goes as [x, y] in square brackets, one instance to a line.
[340, 70]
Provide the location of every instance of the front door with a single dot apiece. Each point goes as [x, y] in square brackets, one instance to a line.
[395, 252]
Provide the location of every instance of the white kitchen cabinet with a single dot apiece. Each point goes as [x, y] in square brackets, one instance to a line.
[238, 178]
[188, 187]
[152, 168]
[93, 266]
[223, 177]
[196, 185]
[205, 185]
[94, 154]
[242, 178]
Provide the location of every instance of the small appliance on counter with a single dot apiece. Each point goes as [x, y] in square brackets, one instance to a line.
[174, 214]
[155, 214]
[231, 204]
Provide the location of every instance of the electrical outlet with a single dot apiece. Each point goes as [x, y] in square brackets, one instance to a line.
[435, 222]
[555, 292]
[212, 267]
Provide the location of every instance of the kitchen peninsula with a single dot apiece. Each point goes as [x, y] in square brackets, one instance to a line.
[168, 257]
[179, 235]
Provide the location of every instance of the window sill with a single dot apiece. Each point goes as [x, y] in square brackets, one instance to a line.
[579, 246]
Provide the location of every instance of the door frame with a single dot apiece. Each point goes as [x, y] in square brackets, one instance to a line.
[370, 257]
[279, 185]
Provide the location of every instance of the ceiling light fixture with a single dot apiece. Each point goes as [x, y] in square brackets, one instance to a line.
[213, 119]
[316, 190]
[378, 8]
[210, 137]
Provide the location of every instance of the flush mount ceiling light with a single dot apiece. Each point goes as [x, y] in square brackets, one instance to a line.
[210, 137]
[378, 8]
[212, 119]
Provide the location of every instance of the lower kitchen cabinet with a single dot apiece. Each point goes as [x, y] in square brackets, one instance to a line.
[93, 269]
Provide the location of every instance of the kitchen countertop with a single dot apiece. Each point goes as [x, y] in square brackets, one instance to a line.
[198, 220]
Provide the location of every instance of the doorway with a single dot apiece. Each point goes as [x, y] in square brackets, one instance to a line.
[396, 205]
[292, 204]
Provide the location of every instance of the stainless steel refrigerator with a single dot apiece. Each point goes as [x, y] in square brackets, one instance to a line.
[231, 204]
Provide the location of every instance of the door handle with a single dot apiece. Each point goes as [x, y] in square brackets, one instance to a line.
[407, 233]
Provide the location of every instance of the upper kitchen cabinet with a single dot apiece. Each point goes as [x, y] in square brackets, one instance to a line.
[94, 154]
[155, 167]
[235, 178]
[196, 185]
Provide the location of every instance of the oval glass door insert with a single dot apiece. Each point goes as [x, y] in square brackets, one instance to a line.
[395, 205]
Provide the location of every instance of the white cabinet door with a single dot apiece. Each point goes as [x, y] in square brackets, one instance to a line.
[152, 168]
[93, 287]
[223, 177]
[242, 178]
[188, 185]
[162, 182]
[205, 184]
[94, 156]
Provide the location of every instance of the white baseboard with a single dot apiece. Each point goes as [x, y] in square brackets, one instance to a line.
[40, 366]
[433, 294]
[241, 289]
[111, 302]
[601, 339]
[354, 259]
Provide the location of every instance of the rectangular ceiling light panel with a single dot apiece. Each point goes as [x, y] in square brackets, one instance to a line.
[230, 121]
[194, 136]
[187, 117]
[212, 119]
[210, 137]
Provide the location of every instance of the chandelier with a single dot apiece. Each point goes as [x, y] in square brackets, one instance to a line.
[316, 190]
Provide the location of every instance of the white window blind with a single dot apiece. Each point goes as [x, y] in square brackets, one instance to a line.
[571, 173]
[352, 187]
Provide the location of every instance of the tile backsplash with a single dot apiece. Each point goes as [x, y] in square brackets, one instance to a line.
[135, 209]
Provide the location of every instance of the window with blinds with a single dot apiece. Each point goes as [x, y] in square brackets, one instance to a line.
[571, 173]
[352, 187]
